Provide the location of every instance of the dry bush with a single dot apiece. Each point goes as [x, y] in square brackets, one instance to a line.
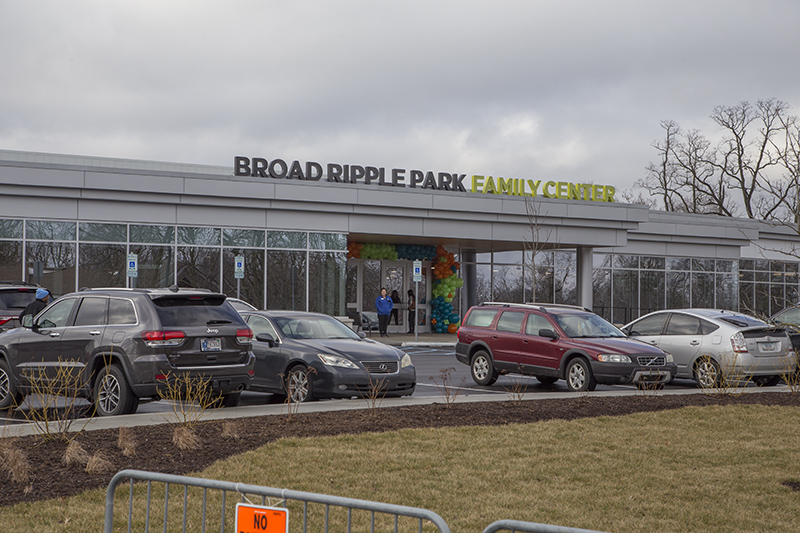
[791, 374]
[126, 441]
[52, 421]
[190, 398]
[98, 464]
[293, 407]
[730, 381]
[519, 386]
[447, 388]
[185, 438]
[230, 430]
[376, 393]
[75, 454]
[13, 461]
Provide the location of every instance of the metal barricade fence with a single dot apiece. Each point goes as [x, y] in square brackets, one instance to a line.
[531, 527]
[186, 513]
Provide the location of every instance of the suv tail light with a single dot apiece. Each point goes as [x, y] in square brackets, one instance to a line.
[4, 319]
[157, 339]
[244, 336]
[738, 342]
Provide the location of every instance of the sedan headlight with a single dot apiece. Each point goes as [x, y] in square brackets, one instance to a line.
[405, 361]
[335, 360]
[613, 358]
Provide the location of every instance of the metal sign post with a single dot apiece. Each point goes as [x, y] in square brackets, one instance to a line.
[238, 273]
[417, 279]
[133, 269]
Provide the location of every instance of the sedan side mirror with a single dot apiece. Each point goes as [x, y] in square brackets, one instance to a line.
[27, 321]
[266, 337]
[548, 333]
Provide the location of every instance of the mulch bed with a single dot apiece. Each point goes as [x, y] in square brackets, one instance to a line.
[155, 451]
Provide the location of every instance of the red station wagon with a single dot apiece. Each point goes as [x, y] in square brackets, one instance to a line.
[553, 342]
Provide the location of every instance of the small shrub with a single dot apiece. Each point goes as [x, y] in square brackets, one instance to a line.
[14, 462]
[190, 398]
[377, 391]
[447, 388]
[230, 430]
[126, 441]
[98, 464]
[75, 454]
[185, 438]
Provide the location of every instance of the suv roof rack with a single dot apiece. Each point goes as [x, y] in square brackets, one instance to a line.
[538, 306]
[25, 283]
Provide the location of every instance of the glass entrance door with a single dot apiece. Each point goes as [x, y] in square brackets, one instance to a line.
[395, 279]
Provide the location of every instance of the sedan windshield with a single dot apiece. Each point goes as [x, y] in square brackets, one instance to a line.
[586, 325]
[314, 327]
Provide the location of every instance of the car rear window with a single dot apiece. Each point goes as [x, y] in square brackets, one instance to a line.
[510, 321]
[481, 318]
[16, 298]
[195, 311]
[743, 321]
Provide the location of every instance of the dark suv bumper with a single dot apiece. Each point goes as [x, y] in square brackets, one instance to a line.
[624, 373]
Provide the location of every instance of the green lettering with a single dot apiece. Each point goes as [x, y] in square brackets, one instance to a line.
[489, 186]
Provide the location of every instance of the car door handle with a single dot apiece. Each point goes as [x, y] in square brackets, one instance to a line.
[55, 334]
[694, 343]
[654, 343]
[95, 332]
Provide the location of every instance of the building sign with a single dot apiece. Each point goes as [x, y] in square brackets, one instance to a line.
[259, 167]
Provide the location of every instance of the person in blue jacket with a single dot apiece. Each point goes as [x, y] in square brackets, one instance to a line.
[383, 304]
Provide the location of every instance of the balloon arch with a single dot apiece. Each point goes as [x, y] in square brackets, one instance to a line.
[444, 267]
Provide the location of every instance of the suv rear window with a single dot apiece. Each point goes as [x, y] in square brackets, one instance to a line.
[481, 318]
[510, 321]
[195, 311]
[16, 298]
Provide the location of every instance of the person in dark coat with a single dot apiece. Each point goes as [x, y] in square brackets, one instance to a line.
[395, 310]
[412, 311]
[383, 304]
[33, 308]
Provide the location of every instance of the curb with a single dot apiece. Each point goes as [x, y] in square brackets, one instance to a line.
[428, 345]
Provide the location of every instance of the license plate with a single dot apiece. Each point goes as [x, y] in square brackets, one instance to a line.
[210, 345]
[767, 346]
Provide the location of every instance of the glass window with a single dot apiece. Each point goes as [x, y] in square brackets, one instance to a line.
[707, 327]
[92, 312]
[249, 238]
[50, 230]
[90, 231]
[761, 264]
[678, 263]
[651, 325]
[102, 265]
[626, 261]
[199, 235]
[56, 316]
[651, 291]
[535, 323]
[327, 241]
[652, 263]
[286, 280]
[680, 324]
[746, 275]
[287, 239]
[626, 296]
[175, 311]
[702, 289]
[761, 306]
[510, 321]
[507, 283]
[121, 311]
[260, 325]
[791, 267]
[726, 266]
[251, 286]
[678, 290]
[704, 265]
[601, 260]
[154, 234]
[326, 282]
[156, 265]
[11, 261]
[481, 318]
[198, 268]
[746, 264]
[485, 257]
[746, 297]
[726, 291]
[10, 229]
[483, 279]
[52, 265]
[789, 316]
[508, 258]
[601, 292]
[777, 302]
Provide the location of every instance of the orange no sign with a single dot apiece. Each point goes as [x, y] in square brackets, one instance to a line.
[260, 519]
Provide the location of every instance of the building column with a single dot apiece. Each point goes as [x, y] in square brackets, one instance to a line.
[585, 268]
[469, 274]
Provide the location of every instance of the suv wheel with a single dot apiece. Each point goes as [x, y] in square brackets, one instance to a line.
[298, 385]
[707, 373]
[112, 394]
[9, 397]
[579, 376]
[482, 369]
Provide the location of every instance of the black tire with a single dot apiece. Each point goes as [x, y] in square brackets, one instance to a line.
[298, 384]
[9, 397]
[707, 373]
[547, 380]
[231, 399]
[112, 394]
[579, 376]
[766, 381]
[482, 369]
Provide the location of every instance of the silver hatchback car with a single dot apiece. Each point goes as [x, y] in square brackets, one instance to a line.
[712, 346]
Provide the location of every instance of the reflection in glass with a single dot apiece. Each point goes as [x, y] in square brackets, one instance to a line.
[626, 261]
[545, 284]
[483, 290]
[51, 265]
[508, 258]
[777, 302]
[761, 305]
[652, 263]
[705, 265]
[50, 230]
[10, 261]
[747, 297]
[678, 290]
[249, 238]
[726, 291]
[154, 234]
[651, 291]
[286, 239]
[507, 283]
[10, 229]
[91, 231]
[198, 235]
[565, 278]
[702, 289]
[156, 266]
[286, 280]
[251, 286]
[198, 268]
[601, 292]
[678, 263]
[102, 265]
[326, 282]
[372, 284]
[626, 296]
[327, 241]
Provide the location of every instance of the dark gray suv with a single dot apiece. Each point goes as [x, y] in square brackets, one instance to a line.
[14, 298]
[127, 343]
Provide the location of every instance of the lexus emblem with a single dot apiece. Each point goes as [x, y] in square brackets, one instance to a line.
[384, 367]
[212, 331]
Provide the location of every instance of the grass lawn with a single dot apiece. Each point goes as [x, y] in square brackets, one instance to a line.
[694, 469]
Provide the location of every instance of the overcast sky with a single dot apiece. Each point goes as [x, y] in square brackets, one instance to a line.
[558, 89]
